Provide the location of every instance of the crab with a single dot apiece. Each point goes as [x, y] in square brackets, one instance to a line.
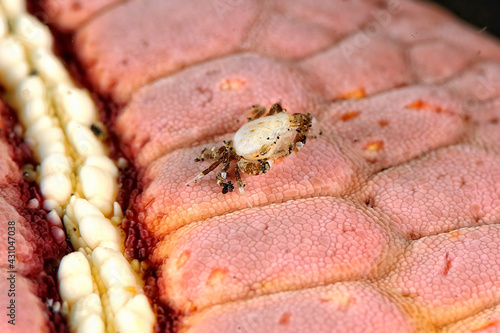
[269, 134]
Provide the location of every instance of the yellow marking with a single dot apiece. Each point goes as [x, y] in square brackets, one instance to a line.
[217, 276]
[374, 146]
[231, 84]
[354, 94]
[182, 259]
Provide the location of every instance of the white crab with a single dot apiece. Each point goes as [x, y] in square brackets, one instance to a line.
[268, 136]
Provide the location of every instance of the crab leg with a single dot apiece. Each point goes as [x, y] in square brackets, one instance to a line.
[222, 175]
[241, 184]
[256, 111]
[209, 154]
[275, 108]
[207, 170]
[239, 181]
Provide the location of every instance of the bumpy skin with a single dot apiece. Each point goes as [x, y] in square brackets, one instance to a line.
[68, 15]
[387, 222]
[37, 244]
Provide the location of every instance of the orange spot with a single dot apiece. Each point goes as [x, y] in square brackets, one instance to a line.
[350, 115]
[374, 146]
[425, 106]
[190, 307]
[485, 326]
[260, 123]
[354, 94]
[419, 104]
[383, 123]
[131, 289]
[182, 259]
[217, 276]
[285, 318]
[252, 131]
[231, 84]
[455, 234]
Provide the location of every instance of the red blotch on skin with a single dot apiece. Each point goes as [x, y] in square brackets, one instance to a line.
[350, 115]
[425, 106]
[383, 123]
[447, 264]
[285, 318]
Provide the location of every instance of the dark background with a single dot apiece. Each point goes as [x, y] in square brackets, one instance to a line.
[481, 13]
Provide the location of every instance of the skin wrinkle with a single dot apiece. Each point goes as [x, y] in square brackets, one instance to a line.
[331, 225]
[407, 99]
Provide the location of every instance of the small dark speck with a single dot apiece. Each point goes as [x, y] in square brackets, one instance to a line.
[369, 202]
[355, 140]
[96, 130]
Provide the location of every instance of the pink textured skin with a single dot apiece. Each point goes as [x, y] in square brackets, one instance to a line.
[294, 245]
[304, 175]
[30, 311]
[405, 179]
[68, 15]
[30, 315]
